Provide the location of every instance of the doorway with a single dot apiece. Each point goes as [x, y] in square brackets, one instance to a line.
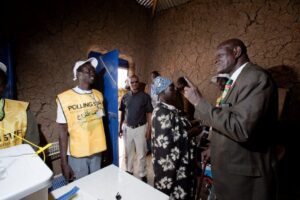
[122, 78]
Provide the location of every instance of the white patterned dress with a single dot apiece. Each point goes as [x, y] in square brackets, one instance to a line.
[173, 153]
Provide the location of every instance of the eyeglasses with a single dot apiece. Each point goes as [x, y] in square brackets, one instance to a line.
[132, 82]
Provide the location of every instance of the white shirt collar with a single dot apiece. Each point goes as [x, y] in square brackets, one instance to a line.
[81, 91]
[236, 74]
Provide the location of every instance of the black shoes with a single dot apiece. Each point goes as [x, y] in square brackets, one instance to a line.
[131, 173]
[148, 153]
[144, 179]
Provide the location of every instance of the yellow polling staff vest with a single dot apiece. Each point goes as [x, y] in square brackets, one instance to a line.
[14, 122]
[85, 126]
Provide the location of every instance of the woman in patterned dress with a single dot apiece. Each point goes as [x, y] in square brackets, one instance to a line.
[173, 159]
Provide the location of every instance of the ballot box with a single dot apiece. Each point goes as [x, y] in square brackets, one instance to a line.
[109, 183]
[23, 174]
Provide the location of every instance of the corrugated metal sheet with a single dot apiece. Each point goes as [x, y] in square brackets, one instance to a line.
[161, 4]
[146, 3]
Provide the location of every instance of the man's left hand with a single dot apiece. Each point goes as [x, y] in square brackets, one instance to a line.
[194, 131]
[148, 134]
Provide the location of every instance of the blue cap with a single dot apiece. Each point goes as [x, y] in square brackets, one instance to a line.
[160, 84]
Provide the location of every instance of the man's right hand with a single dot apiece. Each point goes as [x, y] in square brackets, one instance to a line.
[67, 172]
[192, 93]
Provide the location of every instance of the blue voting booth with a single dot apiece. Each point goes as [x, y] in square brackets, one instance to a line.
[107, 83]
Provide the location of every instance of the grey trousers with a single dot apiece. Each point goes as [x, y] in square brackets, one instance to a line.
[85, 165]
[135, 142]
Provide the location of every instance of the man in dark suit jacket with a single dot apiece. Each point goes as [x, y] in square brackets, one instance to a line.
[242, 157]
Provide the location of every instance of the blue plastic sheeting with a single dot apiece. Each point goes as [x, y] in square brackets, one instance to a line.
[70, 194]
[107, 83]
[58, 182]
[6, 58]
[207, 171]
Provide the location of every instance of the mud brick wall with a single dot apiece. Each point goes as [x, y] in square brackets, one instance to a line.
[184, 39]
[57, 34]
[179, 41]
[51, 35]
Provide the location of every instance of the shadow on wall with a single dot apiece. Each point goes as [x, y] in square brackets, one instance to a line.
[289, 126]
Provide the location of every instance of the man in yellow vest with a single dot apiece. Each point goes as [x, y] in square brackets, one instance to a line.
[79, 115]
[15, 118]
